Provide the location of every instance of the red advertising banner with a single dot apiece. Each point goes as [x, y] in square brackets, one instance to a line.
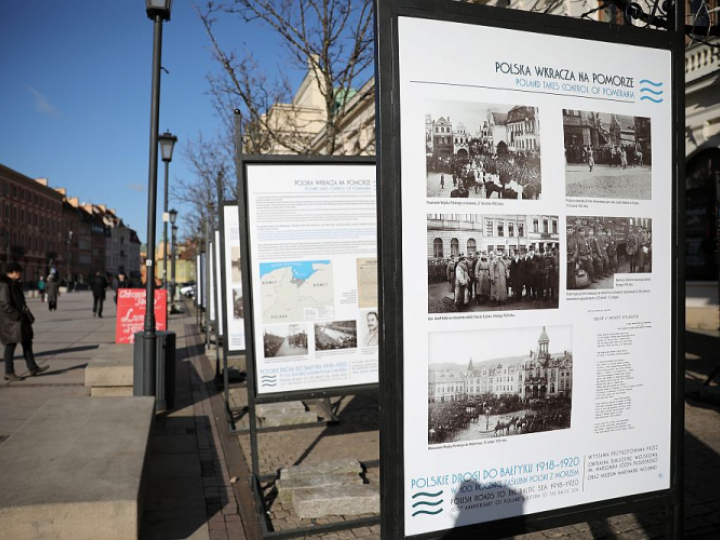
[131, 313]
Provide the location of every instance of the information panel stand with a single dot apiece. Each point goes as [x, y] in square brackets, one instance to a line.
[309, 276]
[530, 186]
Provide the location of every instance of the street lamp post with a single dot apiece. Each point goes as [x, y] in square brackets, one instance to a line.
[167, 142]
[69, 256]
[158, 11]
[173, 217]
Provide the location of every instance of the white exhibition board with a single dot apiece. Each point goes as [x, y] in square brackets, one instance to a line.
[217, 278]
[198, 280]
[313, 247]
[513, 410]
[211, 279]
[233, 279]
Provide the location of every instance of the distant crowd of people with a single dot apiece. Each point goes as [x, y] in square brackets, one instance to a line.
[515, 176]
[621, 156]
[496, 278]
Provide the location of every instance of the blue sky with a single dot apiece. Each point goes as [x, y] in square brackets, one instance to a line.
[75, 81]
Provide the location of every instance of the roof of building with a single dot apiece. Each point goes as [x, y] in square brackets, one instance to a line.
[520, 114]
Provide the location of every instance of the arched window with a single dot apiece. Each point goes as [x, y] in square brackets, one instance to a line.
[471, 246]
[438, 248]
[454, 247]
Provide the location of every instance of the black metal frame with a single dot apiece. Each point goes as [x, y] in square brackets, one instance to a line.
[390, 261]
[304, 395]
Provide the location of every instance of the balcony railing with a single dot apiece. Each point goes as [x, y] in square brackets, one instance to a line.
[701, 60]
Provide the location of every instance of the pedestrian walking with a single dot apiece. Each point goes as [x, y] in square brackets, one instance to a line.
[16, 323]
[41, 288]
[442, 181]
[98, 285]
[53, 292]
[120, 283]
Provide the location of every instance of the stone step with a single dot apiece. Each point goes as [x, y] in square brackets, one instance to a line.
[110, 367]
[335, 466]
[265, 410]
[336, 501]
[73, 470]
[286, 487]
[292, 419]
[111, 391]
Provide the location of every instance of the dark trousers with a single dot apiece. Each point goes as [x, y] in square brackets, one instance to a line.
[27, 353]
[98, 305]
[52, 306]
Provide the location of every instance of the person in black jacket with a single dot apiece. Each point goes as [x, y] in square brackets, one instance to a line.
[16, 323]
[120, 283]
[98, 285]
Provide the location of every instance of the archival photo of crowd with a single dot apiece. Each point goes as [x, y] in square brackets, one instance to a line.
[238, 305]
[335, 335]
[482, 150]
[285, 340]
[490, 262]
[601, 247]
[499, 383]
[607, 155]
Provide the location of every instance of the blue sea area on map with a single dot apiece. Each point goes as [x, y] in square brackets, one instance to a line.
[300, 269]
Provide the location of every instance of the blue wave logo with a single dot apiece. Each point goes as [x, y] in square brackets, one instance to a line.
[652, 87]
[268, 380]
[426, 503]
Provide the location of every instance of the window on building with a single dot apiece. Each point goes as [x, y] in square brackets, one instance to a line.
[554, 226]
[438, 247]
[454, 247]
[546, 229]
[521, 230]
[535, 225]
[501, 228]
[511, 229]
[471, 246]
[489, 228]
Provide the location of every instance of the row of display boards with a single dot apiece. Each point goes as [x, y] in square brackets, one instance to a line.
[512, 285]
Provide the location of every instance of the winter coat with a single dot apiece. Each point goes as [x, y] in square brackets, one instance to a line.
[98, 286]
[53, 290]
[14, 324]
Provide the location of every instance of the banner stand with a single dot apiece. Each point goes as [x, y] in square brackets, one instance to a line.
[303, 395]
[401, 74]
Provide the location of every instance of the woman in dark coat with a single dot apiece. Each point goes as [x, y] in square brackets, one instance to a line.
[52, 288]
[15, 323]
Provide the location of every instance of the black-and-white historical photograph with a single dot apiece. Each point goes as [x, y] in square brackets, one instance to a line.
[285, 340]
[369, 328]
[607, 155]
[235, 264]
[487, 262]
[336, 335]
[482, 150]
[498, 383]
[601, 247]
[238, 306]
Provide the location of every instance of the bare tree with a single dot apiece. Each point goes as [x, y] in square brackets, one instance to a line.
[332, 38]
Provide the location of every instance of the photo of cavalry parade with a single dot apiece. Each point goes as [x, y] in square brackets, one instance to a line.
[336, 335]
[498, 383]
[477, 150]
[607, 155]
[598, 248]
[483, 262]
[285, 340]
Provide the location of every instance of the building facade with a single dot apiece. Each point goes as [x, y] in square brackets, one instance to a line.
[539, 375]
[450, 235]
[31, 219]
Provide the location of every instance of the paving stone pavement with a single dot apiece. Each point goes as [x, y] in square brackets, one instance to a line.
[357, 436]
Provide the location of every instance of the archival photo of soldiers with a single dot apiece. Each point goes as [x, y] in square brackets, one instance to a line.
[238, 307]
[335, 335]
[599, 247]
[607, 155]
[285, 340]
[482, 150]
[499, 383]
[490, 262]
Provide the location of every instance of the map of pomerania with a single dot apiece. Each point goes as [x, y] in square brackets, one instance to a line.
[296, 291]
